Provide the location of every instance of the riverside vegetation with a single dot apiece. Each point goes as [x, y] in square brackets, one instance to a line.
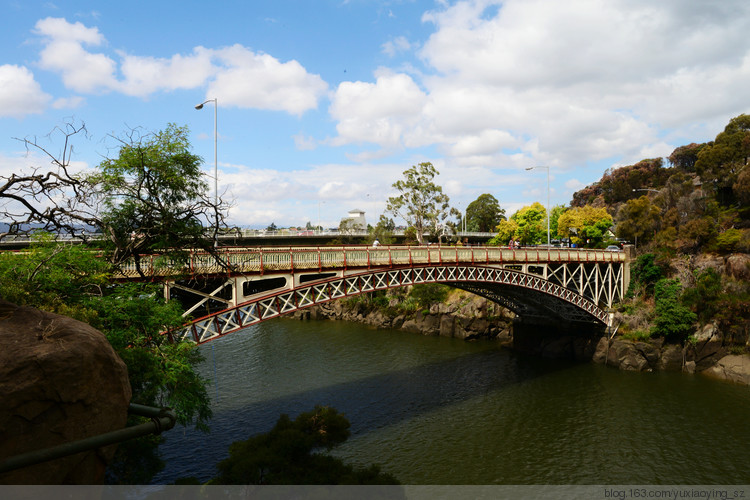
[688, 306]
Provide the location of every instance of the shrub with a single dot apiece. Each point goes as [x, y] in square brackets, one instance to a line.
[427, 294]
[673, 319]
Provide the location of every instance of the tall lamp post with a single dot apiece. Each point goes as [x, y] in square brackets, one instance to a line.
[216, 163]
[548, 206]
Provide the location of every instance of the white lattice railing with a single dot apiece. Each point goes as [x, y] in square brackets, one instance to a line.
[267, 259]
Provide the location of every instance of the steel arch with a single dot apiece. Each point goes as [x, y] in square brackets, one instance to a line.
[519, 291]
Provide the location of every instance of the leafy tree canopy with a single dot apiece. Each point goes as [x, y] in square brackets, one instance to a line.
[421, 202]
[505, 231]
[71, 280]
[586, 225]
[155, 197]
[720, 163]
[288, 454]
[532, 224]
[484, 214]
[638, 220]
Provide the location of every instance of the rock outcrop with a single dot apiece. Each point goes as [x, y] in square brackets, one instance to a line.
[60, 381]
[462, 315]
[735, 368]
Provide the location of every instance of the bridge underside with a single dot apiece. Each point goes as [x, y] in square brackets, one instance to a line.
[528, 295]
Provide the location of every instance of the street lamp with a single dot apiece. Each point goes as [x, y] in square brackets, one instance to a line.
[216, 163]
[548, 206]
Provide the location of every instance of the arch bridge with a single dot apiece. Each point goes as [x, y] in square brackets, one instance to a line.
[560, 285]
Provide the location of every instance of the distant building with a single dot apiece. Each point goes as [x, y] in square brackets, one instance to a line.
[357, 218]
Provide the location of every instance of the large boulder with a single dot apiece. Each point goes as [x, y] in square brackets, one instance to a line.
[735, 368]
[60, 381]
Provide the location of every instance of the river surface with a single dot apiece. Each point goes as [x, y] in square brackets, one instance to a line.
[433, 410]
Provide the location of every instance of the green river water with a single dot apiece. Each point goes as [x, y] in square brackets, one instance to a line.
[444, 411]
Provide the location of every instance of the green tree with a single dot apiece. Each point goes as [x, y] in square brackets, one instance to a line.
[587, 225]
[703, 298]
[532, 224]
[673, 319]
[422, 203]
[644, 273]
[383, 231]
[287, 454]
[155, 198]
[720, 163]
[72, 280]
[638, 219]
[505, 231]
[484, 214]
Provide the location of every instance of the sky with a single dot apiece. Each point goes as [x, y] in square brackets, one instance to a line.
[322, 105]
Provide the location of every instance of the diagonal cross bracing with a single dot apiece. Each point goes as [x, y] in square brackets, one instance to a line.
[573, 291]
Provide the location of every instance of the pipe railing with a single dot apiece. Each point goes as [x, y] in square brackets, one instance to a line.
[162, 419]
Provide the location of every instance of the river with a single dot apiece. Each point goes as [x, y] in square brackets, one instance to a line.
[433, 410]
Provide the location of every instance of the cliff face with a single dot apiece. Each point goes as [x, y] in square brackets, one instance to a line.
[60, 381]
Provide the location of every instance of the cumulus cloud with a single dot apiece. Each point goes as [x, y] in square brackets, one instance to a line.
[562, 83]
[254, 80]
[243, 78]
[20, 93]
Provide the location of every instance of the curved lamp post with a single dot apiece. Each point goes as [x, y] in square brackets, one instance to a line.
[548, 207]
[216, 164]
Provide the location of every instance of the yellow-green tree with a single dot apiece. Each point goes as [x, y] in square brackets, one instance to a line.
[585, 225]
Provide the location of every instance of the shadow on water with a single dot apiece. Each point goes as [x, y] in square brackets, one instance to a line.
[369, 403]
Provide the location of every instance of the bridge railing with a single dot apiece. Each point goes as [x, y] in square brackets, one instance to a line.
[268, 259]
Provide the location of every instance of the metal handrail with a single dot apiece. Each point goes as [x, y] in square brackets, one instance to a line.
[162, 419]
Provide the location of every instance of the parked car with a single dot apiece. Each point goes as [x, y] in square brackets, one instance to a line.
[613, 248]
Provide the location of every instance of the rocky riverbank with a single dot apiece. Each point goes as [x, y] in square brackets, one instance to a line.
[468, 316]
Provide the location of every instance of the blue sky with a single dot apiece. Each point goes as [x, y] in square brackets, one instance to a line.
[323, 104]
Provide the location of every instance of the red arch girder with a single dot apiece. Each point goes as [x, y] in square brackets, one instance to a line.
[314, 293]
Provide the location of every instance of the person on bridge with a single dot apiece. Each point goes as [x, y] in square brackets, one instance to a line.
[376, 243]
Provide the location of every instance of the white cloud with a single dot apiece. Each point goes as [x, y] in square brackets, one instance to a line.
[254, 80]
[398, 44]
[386, 112]
[243, 78]
[20, 93]
[564, 83]
[64, 53]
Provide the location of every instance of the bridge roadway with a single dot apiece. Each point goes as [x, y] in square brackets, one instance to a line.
[251, 285]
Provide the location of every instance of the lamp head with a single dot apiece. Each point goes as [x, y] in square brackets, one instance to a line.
[199, 106]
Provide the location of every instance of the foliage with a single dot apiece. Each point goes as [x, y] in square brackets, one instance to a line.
[505, 231]
[729, 240]
[272, 227]
[617, 185]
[422, 203]
[73, 281]
[287, 454]
[532, 224]
[720, 163]
[638, 219]
[702, 298]
[673, 320]
[383, 231]
[685, 157]
[644, 273]
[585, 225]
[484, 214]
[155, 198]
[427, 294]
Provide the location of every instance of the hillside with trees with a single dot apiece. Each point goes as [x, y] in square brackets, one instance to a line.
[690, 223]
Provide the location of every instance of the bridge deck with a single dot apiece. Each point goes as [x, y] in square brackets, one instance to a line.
[274, 259]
